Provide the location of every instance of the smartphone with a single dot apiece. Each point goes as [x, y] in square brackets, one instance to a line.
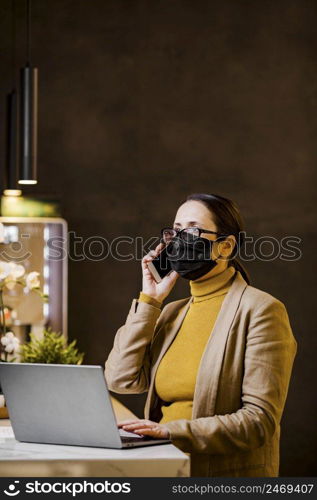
[160, 266]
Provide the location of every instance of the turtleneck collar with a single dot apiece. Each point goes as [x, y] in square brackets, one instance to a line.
[211, 287]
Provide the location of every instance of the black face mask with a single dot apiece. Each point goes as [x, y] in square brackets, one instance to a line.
[190, 260]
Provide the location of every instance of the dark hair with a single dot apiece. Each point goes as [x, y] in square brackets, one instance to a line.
[228, 220]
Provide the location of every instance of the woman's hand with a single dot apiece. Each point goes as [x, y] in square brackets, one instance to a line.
[145, 427]
[158, 291]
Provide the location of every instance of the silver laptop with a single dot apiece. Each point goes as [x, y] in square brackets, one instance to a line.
[64, 404]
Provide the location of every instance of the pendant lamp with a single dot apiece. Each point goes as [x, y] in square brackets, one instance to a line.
[11, 146]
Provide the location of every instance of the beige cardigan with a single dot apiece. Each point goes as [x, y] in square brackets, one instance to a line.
[241, 384]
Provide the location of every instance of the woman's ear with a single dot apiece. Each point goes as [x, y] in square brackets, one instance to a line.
[226, 247]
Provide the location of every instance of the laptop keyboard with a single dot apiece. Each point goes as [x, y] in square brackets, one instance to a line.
[126, 439]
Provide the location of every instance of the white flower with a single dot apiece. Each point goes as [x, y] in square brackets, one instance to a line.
[17, 270]
[4, 269]
[10, 342]
[8, 337]
[9, 283]
[11, 272]
[32, 280]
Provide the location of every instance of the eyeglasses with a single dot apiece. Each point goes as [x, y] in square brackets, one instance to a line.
[188, 234]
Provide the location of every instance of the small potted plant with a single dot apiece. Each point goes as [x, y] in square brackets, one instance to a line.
[51, 348]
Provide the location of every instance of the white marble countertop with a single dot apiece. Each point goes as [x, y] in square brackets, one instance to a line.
[29, 459]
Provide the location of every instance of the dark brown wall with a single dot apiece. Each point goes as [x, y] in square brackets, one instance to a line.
[143, 102]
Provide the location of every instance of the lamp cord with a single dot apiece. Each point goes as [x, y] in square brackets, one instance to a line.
[13, 41]
[28, 32]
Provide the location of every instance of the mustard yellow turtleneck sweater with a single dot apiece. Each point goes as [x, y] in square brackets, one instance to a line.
[176, 374]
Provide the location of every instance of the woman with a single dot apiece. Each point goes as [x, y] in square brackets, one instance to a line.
[216, 365]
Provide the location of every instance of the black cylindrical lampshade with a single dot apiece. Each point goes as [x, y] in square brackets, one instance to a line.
[11, 141]
[28, 125]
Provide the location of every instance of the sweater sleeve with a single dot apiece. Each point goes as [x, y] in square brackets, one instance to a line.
[127, 368]
[144, 297]
[270, 352]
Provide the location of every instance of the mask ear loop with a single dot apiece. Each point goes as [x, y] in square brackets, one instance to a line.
[219, 238]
